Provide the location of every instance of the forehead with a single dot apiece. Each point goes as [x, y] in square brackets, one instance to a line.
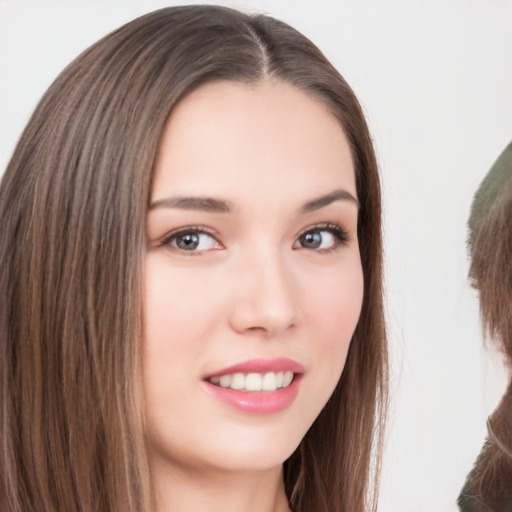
[265, 137]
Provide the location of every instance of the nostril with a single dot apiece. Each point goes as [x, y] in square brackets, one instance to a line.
[256, 329]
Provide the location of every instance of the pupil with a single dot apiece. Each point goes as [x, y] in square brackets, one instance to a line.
[188, 242]
[312, 240]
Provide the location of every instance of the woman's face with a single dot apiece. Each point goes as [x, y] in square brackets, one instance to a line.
[253, 279]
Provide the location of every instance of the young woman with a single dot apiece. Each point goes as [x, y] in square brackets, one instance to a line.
[488, 486]
[191, 279]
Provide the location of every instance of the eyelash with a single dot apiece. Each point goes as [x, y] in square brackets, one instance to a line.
[340, 235]
[188, 230]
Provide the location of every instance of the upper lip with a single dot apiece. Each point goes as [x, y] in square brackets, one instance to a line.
[280, 364]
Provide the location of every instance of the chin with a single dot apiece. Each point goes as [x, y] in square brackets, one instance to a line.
[247, 450]
[256, 458]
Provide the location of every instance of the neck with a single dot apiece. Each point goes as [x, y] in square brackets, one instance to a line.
[180, 490]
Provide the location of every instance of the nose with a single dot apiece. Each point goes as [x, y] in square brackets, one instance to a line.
[265, 303]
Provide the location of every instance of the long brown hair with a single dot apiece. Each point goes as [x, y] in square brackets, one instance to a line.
[489, 485]
[73, 203]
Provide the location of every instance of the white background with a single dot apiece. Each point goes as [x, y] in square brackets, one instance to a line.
[435, 80]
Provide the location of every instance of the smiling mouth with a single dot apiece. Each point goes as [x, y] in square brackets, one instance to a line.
[250, 382]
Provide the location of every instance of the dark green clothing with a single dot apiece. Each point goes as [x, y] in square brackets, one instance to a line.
[494, 492]
[488, 487]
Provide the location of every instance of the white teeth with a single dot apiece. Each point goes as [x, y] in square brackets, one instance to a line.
[225, 381]
[253, 382]
[270, 381]
[238, 381]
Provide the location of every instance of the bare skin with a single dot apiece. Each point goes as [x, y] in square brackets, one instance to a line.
[226, 493]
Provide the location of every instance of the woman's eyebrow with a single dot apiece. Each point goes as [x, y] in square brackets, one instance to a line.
[210, 204]
[321, 202]
[207, 204]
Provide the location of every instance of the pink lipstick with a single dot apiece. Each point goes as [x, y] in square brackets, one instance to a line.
[258, 386]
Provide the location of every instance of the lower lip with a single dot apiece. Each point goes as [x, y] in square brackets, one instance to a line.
[256, 402]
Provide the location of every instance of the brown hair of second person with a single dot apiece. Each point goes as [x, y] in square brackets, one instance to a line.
[490, 251]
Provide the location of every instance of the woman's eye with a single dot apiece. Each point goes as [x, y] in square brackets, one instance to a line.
[192, 241]
[323, 239]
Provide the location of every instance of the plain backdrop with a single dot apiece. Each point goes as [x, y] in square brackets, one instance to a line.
[435, 81]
